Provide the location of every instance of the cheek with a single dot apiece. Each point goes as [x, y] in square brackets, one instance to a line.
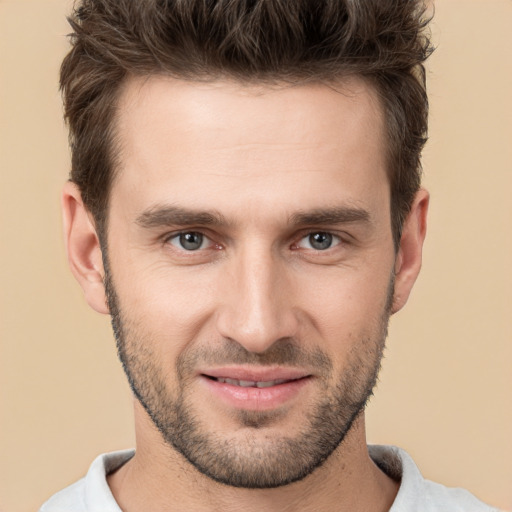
[168, 309]
[347, 306]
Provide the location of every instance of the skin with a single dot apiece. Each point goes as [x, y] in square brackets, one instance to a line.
[260, 158]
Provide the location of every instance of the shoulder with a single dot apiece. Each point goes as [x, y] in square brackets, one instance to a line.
[70, 499]
[417, 493]
[91, 493]
[457, 499]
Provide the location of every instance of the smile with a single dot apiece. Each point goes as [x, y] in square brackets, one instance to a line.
[250, 383]
[255, 390]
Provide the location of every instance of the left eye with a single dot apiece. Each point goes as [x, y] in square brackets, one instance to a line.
[320, 241]
[189, 241]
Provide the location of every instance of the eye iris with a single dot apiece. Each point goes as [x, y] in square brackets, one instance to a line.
[191, 241]
[320, 241]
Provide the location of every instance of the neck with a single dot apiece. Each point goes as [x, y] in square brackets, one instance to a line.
[158, 478]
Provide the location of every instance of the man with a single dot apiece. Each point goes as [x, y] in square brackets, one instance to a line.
[245, 203]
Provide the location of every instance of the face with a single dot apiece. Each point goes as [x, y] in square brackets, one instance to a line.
[250, 269]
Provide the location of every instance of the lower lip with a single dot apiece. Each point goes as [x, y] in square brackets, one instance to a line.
[256, 399]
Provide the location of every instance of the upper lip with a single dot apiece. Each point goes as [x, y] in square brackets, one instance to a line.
[255, 374]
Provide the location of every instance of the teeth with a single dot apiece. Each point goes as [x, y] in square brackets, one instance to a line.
[246, 383]
[251, 383]
[269, 383]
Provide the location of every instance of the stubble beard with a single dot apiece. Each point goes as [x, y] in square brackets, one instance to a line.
[257, 458]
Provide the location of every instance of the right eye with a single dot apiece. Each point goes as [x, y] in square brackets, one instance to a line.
[190, 241]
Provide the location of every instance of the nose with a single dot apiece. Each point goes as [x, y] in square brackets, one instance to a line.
[257, 303]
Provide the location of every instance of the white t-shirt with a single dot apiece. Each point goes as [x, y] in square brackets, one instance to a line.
[92, 493]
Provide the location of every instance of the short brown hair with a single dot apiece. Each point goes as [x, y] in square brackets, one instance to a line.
[268, 41]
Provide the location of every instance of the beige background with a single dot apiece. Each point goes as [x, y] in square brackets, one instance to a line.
[446, 387]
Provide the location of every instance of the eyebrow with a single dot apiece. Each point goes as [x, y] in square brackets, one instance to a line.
[168, 215]
[326, 216]
[157, 216]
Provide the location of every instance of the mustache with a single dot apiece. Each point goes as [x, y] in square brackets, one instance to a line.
[285, 352]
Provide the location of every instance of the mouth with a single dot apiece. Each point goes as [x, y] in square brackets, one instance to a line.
[250, 383]
[255, 389]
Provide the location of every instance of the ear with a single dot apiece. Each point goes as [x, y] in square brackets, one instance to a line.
[83, 248]
[408, 259]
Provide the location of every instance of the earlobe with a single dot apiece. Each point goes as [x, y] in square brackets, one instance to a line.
[409, 256]
[83, 248]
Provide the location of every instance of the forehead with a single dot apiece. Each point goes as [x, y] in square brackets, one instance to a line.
[218, 139]
[224, 105]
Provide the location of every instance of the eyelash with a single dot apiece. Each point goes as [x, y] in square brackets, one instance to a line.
[176, 236]
[334, 238]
